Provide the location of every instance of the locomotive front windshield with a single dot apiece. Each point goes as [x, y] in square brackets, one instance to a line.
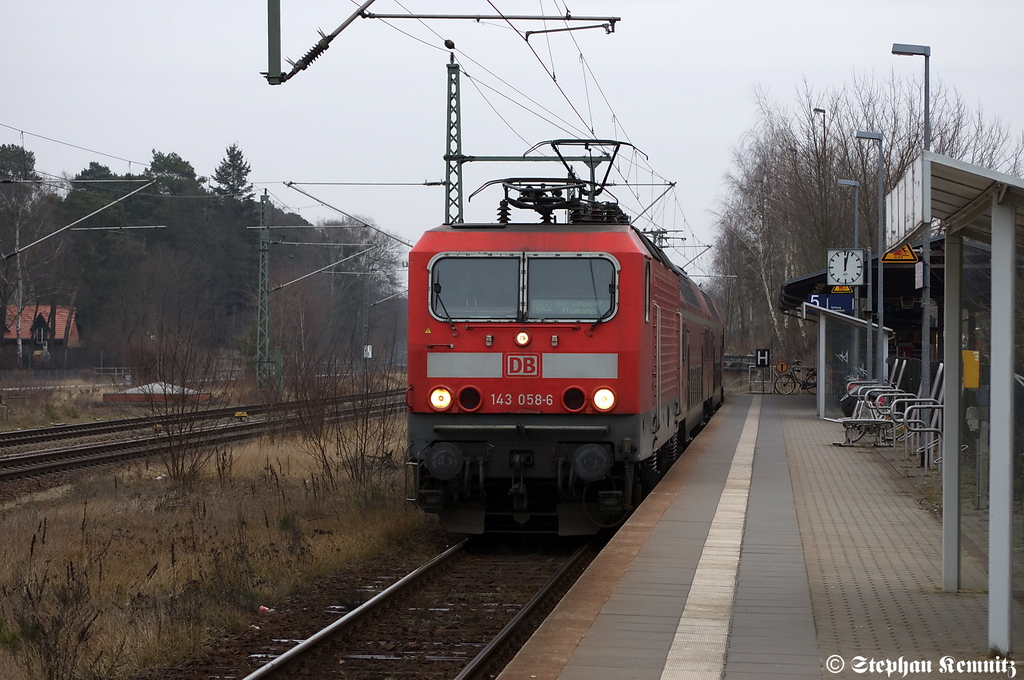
[560, 288]
[475, 288]
[557, 288]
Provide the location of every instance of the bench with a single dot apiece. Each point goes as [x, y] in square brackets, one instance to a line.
[869, 415]
[876, 427]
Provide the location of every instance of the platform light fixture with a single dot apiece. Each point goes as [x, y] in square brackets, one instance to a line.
[925, 51]
[856, 244]
[856, 208]
[824, 129]
[880, 342]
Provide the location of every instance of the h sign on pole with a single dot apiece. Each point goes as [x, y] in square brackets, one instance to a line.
[763, 361]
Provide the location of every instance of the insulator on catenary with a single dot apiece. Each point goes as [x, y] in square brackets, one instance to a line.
[315, 52]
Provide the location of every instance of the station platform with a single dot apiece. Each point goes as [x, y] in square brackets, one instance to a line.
[768, 552]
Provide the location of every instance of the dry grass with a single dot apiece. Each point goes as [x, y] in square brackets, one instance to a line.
[42, 406]
[124, 570]
[82, 401]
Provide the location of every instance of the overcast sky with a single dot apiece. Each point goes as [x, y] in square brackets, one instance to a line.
[675, 78]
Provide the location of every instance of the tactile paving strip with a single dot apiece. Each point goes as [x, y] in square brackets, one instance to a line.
[698, 649]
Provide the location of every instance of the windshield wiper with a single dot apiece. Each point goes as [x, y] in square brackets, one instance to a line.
[611, 308]
[447, 316]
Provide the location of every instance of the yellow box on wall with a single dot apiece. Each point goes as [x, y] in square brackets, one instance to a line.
[972, 368]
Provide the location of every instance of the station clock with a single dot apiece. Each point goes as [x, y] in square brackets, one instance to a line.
[845, 267]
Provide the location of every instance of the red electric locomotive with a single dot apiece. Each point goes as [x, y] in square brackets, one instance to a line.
[555, 369]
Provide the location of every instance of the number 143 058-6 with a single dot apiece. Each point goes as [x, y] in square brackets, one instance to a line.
[522, 400]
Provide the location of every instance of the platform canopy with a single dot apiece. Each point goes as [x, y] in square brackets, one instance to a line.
[970, 202]
[960, 199]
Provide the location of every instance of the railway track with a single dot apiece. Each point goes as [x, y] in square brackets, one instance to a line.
[160, 431]
[58, 432]
[460, 615]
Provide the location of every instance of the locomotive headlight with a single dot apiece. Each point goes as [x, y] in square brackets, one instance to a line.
[604, 399]
[440, 398]
[522, 338]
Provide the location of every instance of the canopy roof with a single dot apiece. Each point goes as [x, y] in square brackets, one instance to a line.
[961, 199]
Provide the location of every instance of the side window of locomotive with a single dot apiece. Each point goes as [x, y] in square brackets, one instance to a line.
[647, 292]
[475, 288]
[580, 288]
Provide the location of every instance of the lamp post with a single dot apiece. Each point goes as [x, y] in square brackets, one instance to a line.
[820, 173]
[926, 290]
[824, 131]
[880, 341]
[926, 52]
[856, 208]
[856, 244]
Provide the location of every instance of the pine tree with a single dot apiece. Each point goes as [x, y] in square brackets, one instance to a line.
[232, 176]
[16, 162]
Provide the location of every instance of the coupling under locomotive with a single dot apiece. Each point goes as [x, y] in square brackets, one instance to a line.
[555, 369]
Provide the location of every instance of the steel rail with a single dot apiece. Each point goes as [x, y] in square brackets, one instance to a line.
[55, 460]
[359, 612]
[20, 437]
[484, 657]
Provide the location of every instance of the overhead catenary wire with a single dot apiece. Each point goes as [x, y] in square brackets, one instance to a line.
[292, 185]
[281, 203]
[333, 264]
[410, 35]
[565, 126]
[509, 125]
[550, 73]
[629, 164]
[68, 226]
[373, 184]
[615, 121]
[69, 144]
[568, 127]
[667, 189]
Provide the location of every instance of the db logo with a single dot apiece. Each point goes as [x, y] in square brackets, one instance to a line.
[524, 365]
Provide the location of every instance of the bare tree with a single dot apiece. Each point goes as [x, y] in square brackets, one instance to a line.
[326, 323]
[175, 365]
[25, 215]
[783, 208]
[347, 423]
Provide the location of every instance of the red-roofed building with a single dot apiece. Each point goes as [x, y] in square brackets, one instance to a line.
[43, 324]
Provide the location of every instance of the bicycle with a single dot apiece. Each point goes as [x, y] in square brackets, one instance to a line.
[790, 378]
